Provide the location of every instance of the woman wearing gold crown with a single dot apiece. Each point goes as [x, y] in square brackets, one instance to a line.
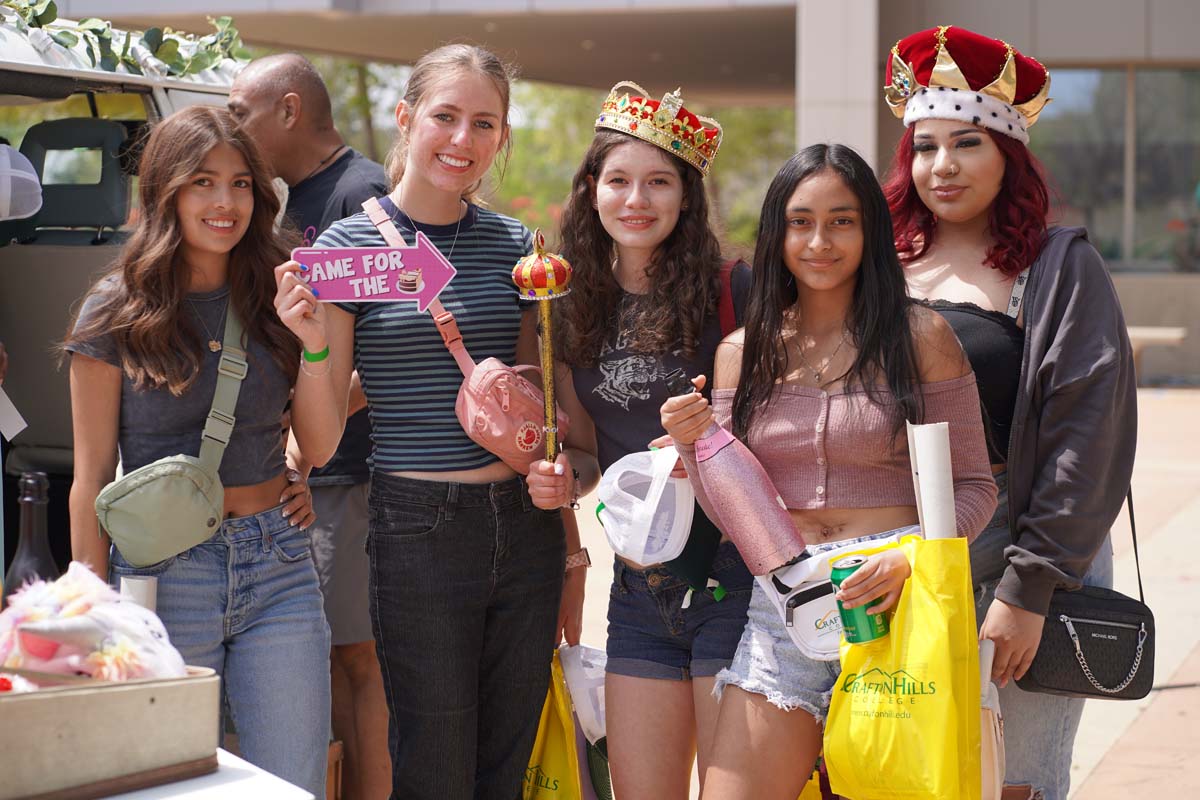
[1040, 322]
[650, 295]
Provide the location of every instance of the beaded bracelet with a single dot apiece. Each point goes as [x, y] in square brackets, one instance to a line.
[304, 367]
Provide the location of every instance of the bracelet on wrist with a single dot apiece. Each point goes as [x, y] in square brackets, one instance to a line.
[313, 358]
[313, 374]
[579, 558]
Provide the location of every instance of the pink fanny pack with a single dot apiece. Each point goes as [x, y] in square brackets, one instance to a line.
[501, 410]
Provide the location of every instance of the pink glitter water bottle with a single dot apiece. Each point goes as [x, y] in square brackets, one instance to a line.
[746, 502]
[739, 496]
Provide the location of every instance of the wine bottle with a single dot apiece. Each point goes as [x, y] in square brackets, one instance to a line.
[32, 559]
[739, 496]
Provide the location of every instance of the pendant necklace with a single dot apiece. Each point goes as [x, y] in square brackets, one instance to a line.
[457, 226]
[213, 343]
[824, 366]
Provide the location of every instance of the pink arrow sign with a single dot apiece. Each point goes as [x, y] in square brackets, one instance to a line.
[377, 274]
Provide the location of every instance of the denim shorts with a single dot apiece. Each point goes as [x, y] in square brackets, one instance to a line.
[769, 663]
[651, 634]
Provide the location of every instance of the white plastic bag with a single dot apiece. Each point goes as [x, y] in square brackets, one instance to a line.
[646, 514]
[583, 670]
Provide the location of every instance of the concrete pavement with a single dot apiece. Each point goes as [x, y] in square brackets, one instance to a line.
[1150, 747]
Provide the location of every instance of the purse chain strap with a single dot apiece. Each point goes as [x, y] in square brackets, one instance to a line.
[1137, 659]
[1087, 671]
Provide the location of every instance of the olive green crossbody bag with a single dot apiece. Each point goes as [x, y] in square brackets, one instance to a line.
[160, 510]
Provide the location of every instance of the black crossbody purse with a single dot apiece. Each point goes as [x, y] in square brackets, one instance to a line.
[1096, 642]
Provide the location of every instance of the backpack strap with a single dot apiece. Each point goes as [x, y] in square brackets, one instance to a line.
[444, 320]
[725, 310]
[231, 371]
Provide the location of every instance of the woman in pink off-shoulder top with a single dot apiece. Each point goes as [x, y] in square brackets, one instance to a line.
[833, 360]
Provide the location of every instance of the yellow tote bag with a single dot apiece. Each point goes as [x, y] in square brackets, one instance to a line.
[553, 772]
[812, 789]
[904, 718]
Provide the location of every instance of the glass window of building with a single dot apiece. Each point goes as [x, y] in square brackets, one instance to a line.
[1167, 188]
[1080, 138]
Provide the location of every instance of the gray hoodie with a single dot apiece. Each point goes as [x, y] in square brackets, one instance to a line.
[1070, 455]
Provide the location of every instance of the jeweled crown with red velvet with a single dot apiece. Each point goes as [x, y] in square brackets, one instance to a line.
[664, 123]
[953, 73]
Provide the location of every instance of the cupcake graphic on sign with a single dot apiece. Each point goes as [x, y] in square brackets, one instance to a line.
[409, 281]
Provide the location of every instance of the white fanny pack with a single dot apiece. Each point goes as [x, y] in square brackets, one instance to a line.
[803, 595]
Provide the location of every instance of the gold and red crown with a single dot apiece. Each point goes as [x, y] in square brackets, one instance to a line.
[664, 123]
[541, 275]
[953, 73]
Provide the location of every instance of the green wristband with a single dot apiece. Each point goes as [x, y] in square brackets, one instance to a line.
[315, 357]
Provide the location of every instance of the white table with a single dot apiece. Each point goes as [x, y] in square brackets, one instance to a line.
[235, 779]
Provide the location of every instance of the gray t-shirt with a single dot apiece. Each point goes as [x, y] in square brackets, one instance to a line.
[155, 424]
[625, 390]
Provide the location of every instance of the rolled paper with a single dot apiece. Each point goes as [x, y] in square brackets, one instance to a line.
[933, 478]
[746, 503]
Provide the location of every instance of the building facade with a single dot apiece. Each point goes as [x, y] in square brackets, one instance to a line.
[1121, 139]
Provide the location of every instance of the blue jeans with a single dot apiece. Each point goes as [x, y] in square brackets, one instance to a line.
[247, 604]
[465, 583]
[1039, 729]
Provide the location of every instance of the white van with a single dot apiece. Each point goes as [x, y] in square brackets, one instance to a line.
[81, 127]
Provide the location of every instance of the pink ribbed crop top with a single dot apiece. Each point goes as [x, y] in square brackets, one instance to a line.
[836, 450]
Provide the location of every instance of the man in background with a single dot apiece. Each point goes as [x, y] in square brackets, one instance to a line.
[282, 102]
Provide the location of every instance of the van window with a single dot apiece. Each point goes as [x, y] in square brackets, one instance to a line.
[76, 167]
[19, 114]
[79, 166]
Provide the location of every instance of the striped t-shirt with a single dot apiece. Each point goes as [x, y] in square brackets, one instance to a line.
[409, 377]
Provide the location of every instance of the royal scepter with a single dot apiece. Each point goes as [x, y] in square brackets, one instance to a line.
[544, 277]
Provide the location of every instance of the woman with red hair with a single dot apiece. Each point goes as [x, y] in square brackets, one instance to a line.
[1040, 322]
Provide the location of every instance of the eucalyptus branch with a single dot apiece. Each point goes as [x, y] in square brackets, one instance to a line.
[157, 51]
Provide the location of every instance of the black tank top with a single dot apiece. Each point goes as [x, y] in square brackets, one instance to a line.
[994, 345]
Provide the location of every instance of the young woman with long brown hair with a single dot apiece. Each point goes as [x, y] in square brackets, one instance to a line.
[1039, 319]
[466, 573]
[645, 300]
[146, 348]
[834, 358]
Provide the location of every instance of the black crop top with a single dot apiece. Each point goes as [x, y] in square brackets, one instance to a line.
[994, 345]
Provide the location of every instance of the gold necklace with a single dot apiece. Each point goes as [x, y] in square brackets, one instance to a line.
[213, 343]
[817, 371]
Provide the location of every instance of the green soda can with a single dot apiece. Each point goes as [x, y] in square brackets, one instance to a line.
[858, 626]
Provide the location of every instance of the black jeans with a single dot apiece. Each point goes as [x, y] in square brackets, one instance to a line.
[465, 583]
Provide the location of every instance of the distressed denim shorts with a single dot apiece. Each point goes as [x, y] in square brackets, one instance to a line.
[651, 634]
[767, 662]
